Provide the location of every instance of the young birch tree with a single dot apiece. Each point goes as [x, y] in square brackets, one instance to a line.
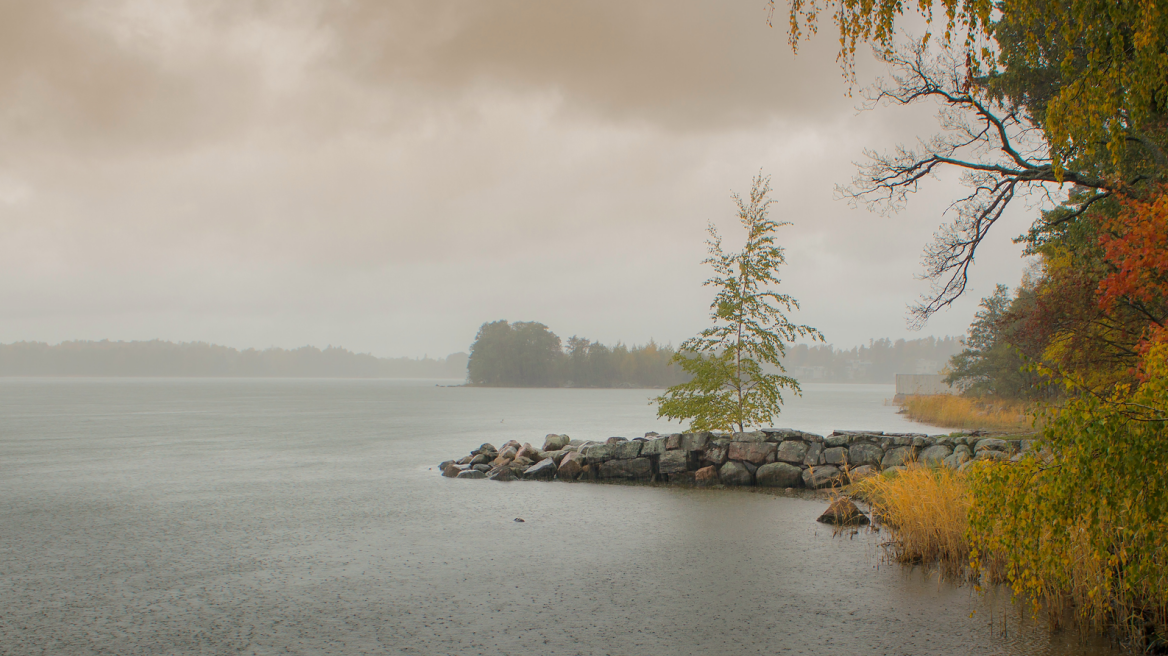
[730, 388]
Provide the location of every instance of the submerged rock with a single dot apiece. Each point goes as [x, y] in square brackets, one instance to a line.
[842, 512]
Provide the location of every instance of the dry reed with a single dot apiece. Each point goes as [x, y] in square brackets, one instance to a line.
[926, 511]
[953, 411]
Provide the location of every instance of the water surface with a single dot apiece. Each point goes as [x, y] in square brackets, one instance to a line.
[294, 516]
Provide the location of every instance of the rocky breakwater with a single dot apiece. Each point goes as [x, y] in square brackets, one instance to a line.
[771, 457]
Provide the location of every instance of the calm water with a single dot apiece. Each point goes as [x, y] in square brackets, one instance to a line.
[229, 516]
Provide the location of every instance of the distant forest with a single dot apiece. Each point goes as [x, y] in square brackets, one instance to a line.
[528, 354]
[198, 359]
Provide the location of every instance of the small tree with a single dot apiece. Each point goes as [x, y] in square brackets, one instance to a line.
[729, 387]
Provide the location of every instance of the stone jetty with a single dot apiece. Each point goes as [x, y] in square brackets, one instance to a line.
[770, 457]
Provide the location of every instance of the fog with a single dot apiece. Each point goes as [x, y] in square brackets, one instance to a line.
[387, 176]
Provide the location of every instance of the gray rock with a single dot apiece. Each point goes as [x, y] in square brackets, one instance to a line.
[471, 473]
[595, 453]
[864, 453]
[750, 466]
[625, 450]
[835, 456]
[509, 452]
[752, 436]
[902, 440]
[842, 512]
[780, 434]
[555, 442]
[779, 474]
[822, 476]
[860, 473]
[836, 440]
[896, 456]
[814, 455]
[992, 444]
[444, 464]
[992, 455]
[672, 462]
[755, 452]
[715, 454]
[488, 449]
[544, 470]
[481, 467]
[501, 474]
[653, 447]
[569, 469]
[695, 441]
[792, 451]
[557, 455]
[616, 440]
[635, 469]
[735, 473]
[673, 442]
[935, 455]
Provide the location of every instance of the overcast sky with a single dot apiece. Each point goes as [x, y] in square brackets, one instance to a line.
[387, 176]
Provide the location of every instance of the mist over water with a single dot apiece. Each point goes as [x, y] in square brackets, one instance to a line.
[307, 516]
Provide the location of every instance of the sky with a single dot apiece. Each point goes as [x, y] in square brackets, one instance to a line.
[387, 176]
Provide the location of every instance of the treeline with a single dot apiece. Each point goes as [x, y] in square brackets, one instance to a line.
[528, 354]
[878, 362]
[199, 359]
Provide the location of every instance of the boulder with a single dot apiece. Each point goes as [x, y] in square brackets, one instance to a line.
[780, 434]
[595, 453]
[569, 469]
[836, 440]
[530, 452]
[471, 473]
[837, 456]
[792, 451]
[488, 449]
[481, 467]
[923, 442]
[842, 512]
[903, 439]
[452, 470]
[512, 443]
[858, 474]
[673, 442]
[588, 472]
[555, 442]
[544, 470]
[715, 455]
[959, 457]
[523, 462]
[896, 457]
[637, 468]
[653, 447]
[864, 453]
[509, 452]
[500, 461]
[706, 475]
[501, 474]
[444, 464]
[735, 473]
[480, 459]
[779, 474]
[935, 455]
[992, 444]
[683, 478]
[465, 460]
[695, 441]
[814, 455]
[557, 455]
[616, 440]
[672, 462]
[752, 436]
[756, 452]
[822, 476]
[992, 455]
[625, 450]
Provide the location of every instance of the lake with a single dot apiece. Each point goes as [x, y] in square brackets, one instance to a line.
[192, 516]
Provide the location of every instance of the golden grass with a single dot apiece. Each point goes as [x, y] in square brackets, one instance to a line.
[926, 510]
[952, 411]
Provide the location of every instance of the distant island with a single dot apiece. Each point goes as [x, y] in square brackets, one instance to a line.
[198, 359]
[528, 354]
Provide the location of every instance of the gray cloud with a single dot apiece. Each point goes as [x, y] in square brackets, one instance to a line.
[387, 176]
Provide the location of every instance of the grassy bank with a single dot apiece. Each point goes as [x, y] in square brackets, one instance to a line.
[951, 411]
[936, 517]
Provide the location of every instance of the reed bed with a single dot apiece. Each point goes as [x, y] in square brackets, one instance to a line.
[952, 411]
[926, 511]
